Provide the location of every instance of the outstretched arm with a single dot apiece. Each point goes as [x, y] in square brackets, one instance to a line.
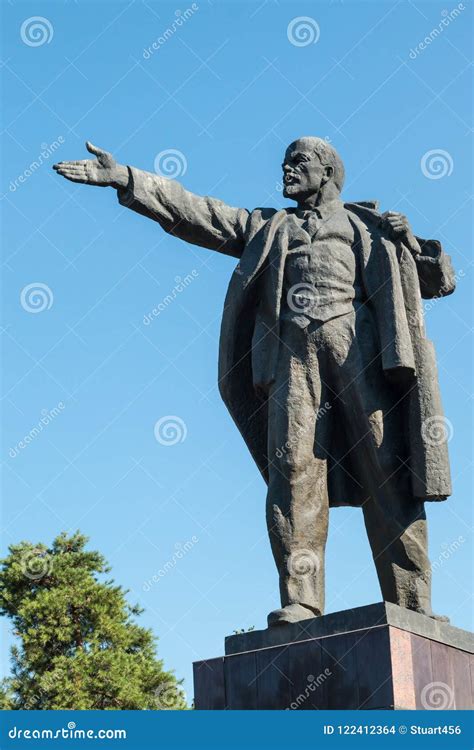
[435, 271]
[202, 221]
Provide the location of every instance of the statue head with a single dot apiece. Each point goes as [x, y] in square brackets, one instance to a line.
[311, 165]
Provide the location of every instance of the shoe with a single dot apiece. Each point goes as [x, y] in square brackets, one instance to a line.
[430, 613]
[291, 613]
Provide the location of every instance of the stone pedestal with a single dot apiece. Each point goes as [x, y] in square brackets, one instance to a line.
[375, 657]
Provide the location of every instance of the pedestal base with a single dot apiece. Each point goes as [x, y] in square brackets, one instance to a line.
[375, 657]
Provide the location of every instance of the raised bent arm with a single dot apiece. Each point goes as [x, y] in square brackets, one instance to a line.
[202, 221]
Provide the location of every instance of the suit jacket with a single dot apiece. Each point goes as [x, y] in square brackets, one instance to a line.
[394, 282]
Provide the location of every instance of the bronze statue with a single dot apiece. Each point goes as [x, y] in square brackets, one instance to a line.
[324, 364]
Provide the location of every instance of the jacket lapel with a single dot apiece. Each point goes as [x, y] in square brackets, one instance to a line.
[252, 262]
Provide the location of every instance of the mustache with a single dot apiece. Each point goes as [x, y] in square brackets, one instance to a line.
[289, 177]
[292, 174]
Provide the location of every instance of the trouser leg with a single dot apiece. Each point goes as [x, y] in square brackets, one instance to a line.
[395, 521]
[399, 541]
[297, 504]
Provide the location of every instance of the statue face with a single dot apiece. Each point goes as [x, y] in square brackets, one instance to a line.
[303, 173]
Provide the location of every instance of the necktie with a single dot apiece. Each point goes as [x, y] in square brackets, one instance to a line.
[311, 223]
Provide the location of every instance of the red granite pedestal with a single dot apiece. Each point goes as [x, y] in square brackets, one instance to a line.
[375, 657]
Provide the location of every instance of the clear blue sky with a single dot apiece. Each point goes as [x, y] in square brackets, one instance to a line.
[229, 91]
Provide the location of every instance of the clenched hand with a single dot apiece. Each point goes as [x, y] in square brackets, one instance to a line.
[399, 227]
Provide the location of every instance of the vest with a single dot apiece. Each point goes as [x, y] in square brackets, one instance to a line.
[320, 275]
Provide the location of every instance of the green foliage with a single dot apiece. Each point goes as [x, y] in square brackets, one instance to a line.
[6, 698]
[79, 646]
[243, 630]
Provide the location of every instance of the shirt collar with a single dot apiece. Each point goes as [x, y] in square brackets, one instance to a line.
[323, 212]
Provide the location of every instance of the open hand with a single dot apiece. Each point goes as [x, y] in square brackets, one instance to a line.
[102, 171]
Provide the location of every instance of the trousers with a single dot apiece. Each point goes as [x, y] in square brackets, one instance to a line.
[329, 385]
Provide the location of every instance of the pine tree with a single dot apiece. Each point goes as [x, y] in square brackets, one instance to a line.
[78, 644]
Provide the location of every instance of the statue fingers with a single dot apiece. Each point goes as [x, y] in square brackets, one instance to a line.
[104, 158]
[94, 149]
[68, 168]
[394, 219]
[71, 173]
[397, 223]
[397, 231]
[76, 174]
[81, 163]
[389, 218]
